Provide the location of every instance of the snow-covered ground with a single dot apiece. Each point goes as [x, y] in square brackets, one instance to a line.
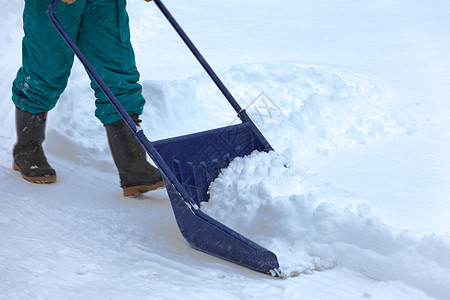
[352, 95]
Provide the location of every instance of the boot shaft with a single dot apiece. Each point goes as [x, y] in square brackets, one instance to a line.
[30, 127]
[130, 157]
[125, 149]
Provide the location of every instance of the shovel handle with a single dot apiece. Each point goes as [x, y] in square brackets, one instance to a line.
[199, 56]
[240, 112]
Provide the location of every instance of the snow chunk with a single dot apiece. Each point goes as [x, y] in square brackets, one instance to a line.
[311, 225]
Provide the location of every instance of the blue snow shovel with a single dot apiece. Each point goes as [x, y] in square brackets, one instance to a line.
[191, 162]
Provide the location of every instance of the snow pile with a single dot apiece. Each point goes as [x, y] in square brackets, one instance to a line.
[318, 107]
[312, 226]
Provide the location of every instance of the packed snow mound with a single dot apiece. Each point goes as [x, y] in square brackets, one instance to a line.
[312, 226]
[317, 107]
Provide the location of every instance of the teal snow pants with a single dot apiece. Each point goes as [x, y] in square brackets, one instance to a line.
[101, 30]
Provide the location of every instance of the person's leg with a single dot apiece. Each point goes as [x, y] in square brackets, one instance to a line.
[105, 40]
[46, 58]
[47, 61]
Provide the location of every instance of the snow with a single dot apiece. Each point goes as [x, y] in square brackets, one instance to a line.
[352, 95]
[312, 226]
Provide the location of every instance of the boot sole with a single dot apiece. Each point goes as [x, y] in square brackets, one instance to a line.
[42, 179]
[141, 189]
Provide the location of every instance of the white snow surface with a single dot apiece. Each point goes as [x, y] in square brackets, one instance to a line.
[353, 96]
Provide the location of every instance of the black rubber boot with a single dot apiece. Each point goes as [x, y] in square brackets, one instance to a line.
[137, 176]
[29, 157]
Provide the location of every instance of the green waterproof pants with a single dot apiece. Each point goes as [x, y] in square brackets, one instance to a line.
[101, 30]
